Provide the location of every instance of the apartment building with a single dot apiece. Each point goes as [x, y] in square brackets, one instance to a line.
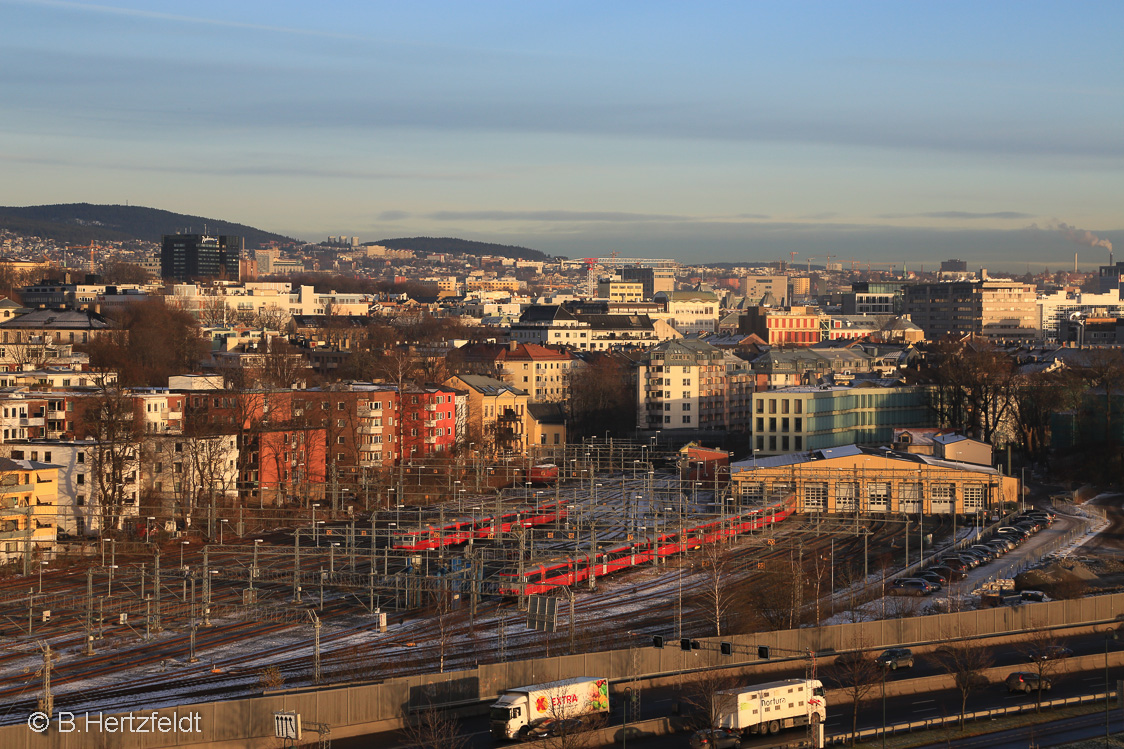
[756, 288]
[616, 290]
[690, 312]
[28, 508]
[682, 385]
[785, 326]
[541, 371]
[428, 421]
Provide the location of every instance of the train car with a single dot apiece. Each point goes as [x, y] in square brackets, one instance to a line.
[570, 571]
[460, 531]
[544, 473]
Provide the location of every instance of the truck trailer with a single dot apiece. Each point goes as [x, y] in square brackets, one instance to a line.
[767, 708]
[513, 714]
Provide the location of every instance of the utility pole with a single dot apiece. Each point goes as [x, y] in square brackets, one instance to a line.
[90, 611]
[47, 704]
[316, 646]
[156, 592]
[206, 587]
[297, 566]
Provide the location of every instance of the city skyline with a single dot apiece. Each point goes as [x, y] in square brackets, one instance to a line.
[869, 131]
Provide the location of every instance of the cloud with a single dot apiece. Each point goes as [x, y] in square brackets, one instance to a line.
[961, 215]
[556, 216]
[176, 18]
[394, 215]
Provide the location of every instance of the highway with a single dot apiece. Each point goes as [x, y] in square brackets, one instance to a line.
[661, 702]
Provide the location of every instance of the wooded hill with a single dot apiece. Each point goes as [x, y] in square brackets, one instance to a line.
[455, 246]
[81, 223]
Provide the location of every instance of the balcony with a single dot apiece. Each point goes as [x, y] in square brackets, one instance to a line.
[34, 421]
[56, 415]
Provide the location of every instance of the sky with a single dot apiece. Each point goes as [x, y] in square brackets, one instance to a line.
[900, 133]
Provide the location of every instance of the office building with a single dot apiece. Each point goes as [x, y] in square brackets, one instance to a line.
[190, 257]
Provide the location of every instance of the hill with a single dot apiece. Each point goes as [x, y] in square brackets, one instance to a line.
[81, 223]
[455, 246]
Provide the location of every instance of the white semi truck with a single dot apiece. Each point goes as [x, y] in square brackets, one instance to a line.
[513, 714]
[767, 708]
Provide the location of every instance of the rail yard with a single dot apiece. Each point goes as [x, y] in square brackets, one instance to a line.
[419, 588]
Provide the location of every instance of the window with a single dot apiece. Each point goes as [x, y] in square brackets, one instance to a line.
[845, 494]
[878, 496]
[815, 496]
[973, 498]
[686, 419]
[760, 406]
[340, 440]
[772, 405]
[81, 457]
[686, 406]
[80, 479]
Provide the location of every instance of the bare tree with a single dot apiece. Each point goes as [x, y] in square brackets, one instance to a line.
[856, 675]
[110, 420]
[1045, 655]
[967, 662]
[432, 727]
[716, 592]
[702, 696]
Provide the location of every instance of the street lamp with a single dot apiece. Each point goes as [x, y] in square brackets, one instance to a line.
[182, 544]
[1108, 635]
[254, 568]
[148, 529]
[43, 564]
[221, 521]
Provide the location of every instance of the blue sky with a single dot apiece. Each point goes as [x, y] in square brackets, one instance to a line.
[896, 132]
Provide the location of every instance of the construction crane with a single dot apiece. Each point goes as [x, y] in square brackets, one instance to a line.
[810, 265]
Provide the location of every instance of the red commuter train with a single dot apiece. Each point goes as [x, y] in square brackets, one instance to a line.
[460, 531]
[546, 577]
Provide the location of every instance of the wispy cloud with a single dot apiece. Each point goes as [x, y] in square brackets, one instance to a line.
[176, 18]
[560, 216]
[961, 215]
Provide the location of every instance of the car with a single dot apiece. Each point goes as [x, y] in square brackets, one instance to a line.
[1034, 596]
[1010, 530]
[1026, 682]
[1053, 653]
[988, 553]
[715, 738]
[1029, 525]
[1007, 544]
[950, 573]
[943, 579]
[911, 586]
[954, 563]
[631, 733]
[895, 658]
[977, 555]
[937, 581]
[551, 727]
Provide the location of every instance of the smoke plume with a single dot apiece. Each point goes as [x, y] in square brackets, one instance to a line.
[1082, 237]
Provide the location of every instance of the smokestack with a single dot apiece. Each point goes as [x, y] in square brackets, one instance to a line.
[1075, 261]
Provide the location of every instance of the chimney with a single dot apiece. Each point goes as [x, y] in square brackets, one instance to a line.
[512, 345]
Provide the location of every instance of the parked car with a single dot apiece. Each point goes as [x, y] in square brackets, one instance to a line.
[954, 563]
[1026, 682]
[988, 552]
[942, 579]
[911, 586]
[977, 555]
[1029, 524]
[948, 572]
[715, 738]
[1003, 542]
[895, 658]
[1010, 530]
[937, 581]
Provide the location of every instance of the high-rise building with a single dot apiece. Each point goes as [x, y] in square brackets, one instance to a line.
[190, 257]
